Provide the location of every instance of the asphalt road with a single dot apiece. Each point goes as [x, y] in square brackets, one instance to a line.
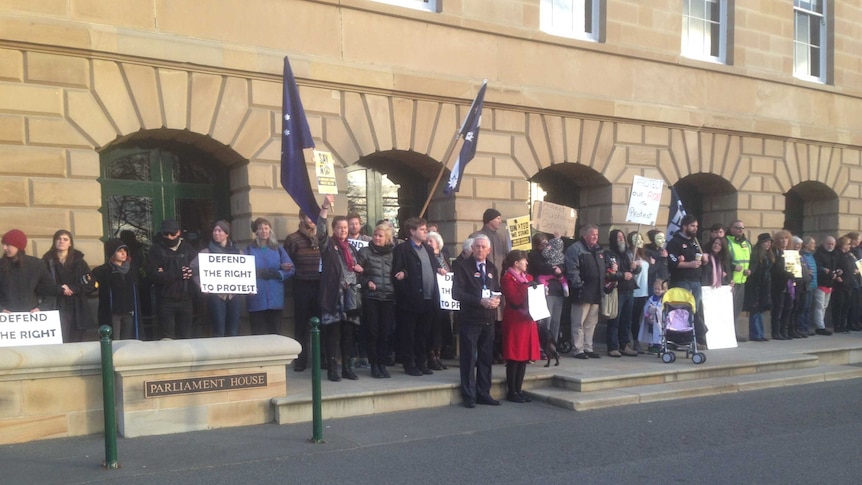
[803, 434]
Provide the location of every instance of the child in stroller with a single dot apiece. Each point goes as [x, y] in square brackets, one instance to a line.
[678, 308]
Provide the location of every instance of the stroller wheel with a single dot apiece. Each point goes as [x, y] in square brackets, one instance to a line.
[668, 357]
[698, 358]
[565, 347]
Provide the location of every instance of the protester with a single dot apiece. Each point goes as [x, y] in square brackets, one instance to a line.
[805, 289]
[441, 327]
[783, 290]
[520, 333]
[24, 280]
[826, 259]
[619, 327]
[641, 293]
[657, 257]
[492, 226]
[69, 269]
[118, 292]
[169, 268]
[758, 289]
[553, 276]
[303, 247]
[585, 270]
[843, 285]
[354, 228]
[651, 318]
[685, 259]
[223, 308]
[717, 271]
[740, 256]
[273, 267]
[378, 297]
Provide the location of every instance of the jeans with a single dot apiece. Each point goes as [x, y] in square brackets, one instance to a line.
[821, 302]
[619, 328]
[175, 318]
[224, 315]
[803, 311]
[755, 326]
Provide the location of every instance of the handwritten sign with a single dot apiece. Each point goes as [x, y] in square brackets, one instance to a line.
[227, 273]
[550, 218]
[444, 285]
[793, 262]
[519, 232]
[645, 200]
[324, 166]
[25, 328]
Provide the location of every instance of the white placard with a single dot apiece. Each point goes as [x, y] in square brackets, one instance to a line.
[537, 303]
[324, 167]
[718, 317]
[357, 243]
[24, 328]
[444, 286]
[645, 200]
[227, 273]
[793, 262]
[550, 218]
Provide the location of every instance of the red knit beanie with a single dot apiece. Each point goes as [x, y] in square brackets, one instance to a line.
[16, 238]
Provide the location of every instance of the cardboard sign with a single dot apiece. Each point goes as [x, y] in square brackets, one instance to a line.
[550, 218]
[718, 317]
[645, 200]
[519, 232]
[444, 285]
[793, 262]
[227, 273]
[25, 328]
[324, 166]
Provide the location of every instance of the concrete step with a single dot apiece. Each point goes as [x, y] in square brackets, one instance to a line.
[583, 401]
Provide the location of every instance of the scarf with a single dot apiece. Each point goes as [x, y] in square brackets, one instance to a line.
[716, 271]
[123, 269]
[345, 253]
[229, 248]
[519, 277]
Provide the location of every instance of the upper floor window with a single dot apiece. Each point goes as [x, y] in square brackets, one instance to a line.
[809, 39]
[704, 29]
[427, 5]
[578, 19]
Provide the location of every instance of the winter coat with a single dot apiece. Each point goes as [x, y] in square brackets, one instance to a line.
[73, 309]
[520, 333]
[23, 282]
[165, 270]
[758, 288]
[782, 280]
[826, 265]
[118, 291]
[410, 292]
[339, 295]
[376, 262]
[270, 277]
[585, 270]
[467, 289]
[538, 265]
[849, 279]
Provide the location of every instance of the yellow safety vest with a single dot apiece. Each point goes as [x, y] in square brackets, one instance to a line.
[740, 255]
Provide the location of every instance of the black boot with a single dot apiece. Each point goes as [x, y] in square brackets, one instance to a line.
[347, 372]
[375, 370]
[383, 372]
[433, 363]
[332, 370]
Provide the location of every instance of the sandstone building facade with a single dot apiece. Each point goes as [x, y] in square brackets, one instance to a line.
[115, 115]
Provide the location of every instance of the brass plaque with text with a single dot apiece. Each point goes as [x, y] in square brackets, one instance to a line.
[203, 384]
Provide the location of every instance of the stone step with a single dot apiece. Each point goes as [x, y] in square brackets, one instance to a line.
[583, 401]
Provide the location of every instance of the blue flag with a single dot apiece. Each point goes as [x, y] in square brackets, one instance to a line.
[470, 132]
[295, 136]
[677, 212]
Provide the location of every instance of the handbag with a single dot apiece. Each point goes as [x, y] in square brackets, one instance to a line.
[610, 306]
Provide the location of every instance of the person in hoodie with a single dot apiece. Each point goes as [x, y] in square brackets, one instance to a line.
[24, 280]
[117, 282]
[69, 270]
[619, 328]
[223, 308]
[169, 269]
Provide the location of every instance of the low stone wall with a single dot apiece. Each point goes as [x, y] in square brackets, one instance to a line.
[161, 387]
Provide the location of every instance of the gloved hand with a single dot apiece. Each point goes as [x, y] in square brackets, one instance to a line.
[269, 274]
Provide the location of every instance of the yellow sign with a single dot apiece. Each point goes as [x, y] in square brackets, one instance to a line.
[519, 232]
[325, 169]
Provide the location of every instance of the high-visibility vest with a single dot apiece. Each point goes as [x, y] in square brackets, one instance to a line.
[740, 255]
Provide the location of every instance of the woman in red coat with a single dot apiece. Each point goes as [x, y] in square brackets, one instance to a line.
[520, 332]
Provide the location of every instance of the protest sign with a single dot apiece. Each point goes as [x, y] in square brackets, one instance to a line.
[25, 328]
[324, 166]
[644, 201]
[357, 243]
[718, 317]
[444, 285]
[227, 273]
[550, 218]
[519, 232]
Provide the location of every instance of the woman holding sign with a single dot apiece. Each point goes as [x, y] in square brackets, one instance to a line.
[223, 308]
[378, 296]
[520, 332]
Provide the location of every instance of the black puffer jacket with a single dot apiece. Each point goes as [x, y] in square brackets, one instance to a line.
[23, 280]
[376, 262]
[165, 269]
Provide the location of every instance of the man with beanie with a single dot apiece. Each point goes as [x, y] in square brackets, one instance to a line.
[169, 268]
[498, 236]
[118, 291]
[23, 279]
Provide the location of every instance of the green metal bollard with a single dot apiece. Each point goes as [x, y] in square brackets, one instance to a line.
[317, 412]
[108, 399]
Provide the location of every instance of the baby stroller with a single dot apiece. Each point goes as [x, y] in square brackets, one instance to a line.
[677, 326]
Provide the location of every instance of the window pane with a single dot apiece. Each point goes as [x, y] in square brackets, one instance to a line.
[195, 217]
[132, 213]
[697, 9]
[133, 167]
[714, 36]
[192, 171]
[815, 64]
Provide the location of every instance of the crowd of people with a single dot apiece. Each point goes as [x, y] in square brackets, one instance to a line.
[378, 300]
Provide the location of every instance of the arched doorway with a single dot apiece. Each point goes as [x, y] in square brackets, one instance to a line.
[709, 197]
[811, 209]
[577, 186]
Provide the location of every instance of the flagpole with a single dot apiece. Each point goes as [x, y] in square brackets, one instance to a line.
[446, 158]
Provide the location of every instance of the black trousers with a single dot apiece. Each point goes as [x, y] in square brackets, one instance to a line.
[414, 328]
[377, 320]
[265, 321]
[306, 304]
[477, 357]
[332, 334]
[175, 318]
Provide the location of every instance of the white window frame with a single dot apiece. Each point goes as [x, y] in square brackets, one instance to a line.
[697, 48]
[802, 44]
[426, 5]
[566, 18]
